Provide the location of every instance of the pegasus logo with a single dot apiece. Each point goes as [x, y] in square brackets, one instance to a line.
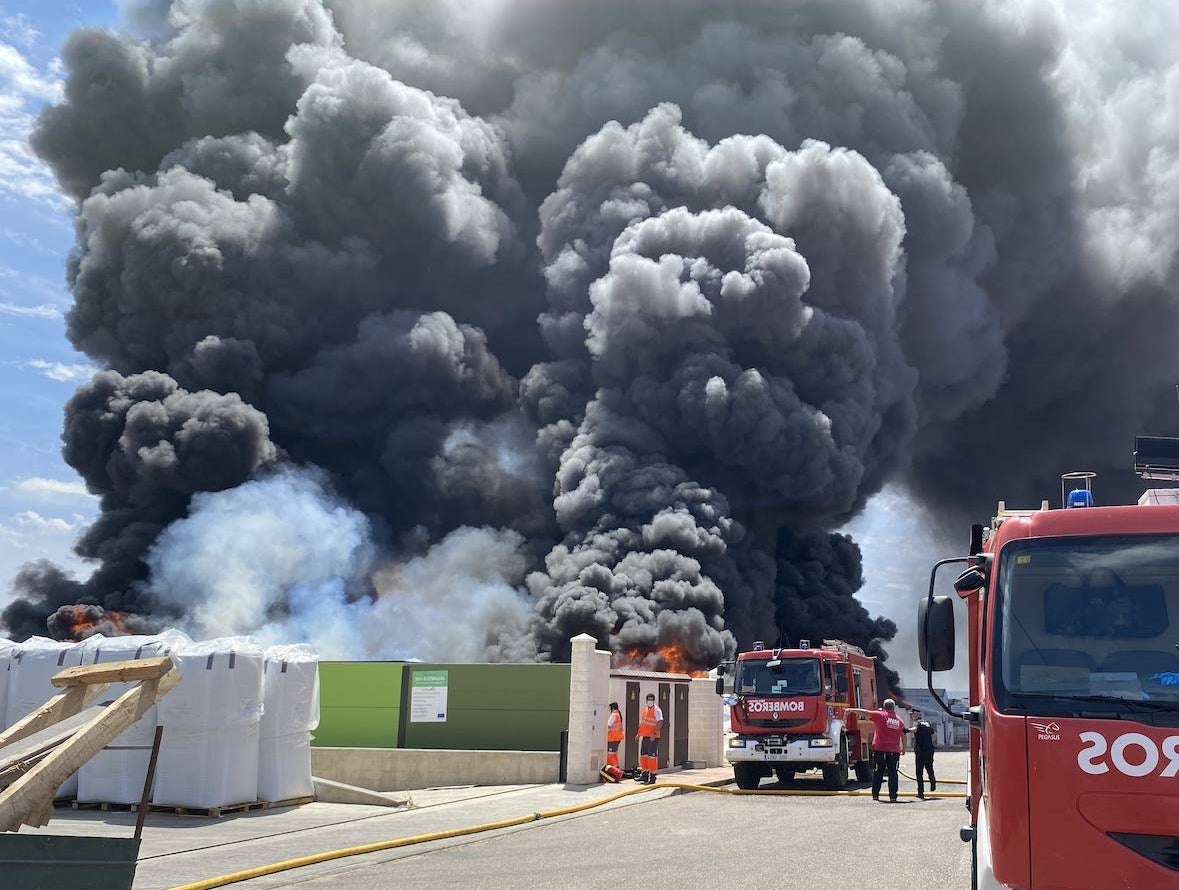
[1047, 732]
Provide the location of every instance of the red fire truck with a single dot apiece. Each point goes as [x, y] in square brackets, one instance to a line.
[788, 712]
[1074, 687]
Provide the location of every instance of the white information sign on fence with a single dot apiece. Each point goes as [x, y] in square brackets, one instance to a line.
[428, 696]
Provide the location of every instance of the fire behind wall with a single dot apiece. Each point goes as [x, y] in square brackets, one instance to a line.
[431, 326]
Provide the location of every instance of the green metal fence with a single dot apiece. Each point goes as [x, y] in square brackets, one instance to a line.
[487, 707]
[359, 704]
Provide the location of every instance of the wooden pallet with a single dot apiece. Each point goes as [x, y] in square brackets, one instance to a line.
[231, 809]
[102, 806]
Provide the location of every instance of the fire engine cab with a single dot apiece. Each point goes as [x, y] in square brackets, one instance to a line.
[1073, 657]
[788, 712]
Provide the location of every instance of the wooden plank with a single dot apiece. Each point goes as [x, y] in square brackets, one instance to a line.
[47, 737]
[114, 672]
[63, 705]
[18, 757]
[40, 817]
[30, 795]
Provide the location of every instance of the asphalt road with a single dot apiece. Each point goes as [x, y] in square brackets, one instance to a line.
[700, 841]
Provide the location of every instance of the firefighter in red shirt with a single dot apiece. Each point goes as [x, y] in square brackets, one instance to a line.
[650, 729]
[888, 742]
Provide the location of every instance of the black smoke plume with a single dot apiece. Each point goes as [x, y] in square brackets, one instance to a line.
[659, 295]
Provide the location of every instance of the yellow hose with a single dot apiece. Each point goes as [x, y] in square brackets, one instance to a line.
[942, 781]
[376, 847]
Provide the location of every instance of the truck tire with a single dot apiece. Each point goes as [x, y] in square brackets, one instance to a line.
[835, 774]
[747, 775]
[863, 771]
[785, 775]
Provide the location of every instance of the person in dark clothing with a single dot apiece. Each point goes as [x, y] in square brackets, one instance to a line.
[924, 744]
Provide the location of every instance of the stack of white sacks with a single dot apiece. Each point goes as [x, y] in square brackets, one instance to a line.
[115, 775]
[7, 650]
[30, 669]
[289, 713]
[237, 728]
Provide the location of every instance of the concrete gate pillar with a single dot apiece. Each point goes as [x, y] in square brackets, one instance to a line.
[589, 690]
[705, 723]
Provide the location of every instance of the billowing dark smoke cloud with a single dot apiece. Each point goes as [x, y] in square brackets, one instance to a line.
[144, 445]
[648, 301]
[818, 575]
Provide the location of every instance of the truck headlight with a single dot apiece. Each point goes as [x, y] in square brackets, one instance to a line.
[821, 743]
[736, 743]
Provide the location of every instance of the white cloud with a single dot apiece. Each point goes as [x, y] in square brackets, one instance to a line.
[31, 520]
[29, 535]
[62, 372]
[23, 89]
[18, 29]
[39, 486]
[42, 311]
[29, 532]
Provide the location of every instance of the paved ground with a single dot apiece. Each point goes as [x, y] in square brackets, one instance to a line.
[690, 840]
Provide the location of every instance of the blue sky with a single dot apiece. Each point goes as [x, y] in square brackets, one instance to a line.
[43, 505]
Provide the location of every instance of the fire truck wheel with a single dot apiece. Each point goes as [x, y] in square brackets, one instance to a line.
[747, 776]
[863, 771]
[835, 774]
[784, 775]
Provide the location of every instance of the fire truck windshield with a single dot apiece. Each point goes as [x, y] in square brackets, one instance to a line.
[794, 676]
[1088, 620]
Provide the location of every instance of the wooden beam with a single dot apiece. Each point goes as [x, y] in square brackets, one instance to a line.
[26, 799]
[114, 672]
[10, 774]
[60, 707]
[18, 757]
[46, 739]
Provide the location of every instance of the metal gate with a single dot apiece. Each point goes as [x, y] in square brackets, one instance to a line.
[665, 738]
[630, 751]
[680, 730]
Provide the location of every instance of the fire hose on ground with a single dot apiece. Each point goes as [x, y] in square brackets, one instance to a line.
[942, 781]
[378, 846]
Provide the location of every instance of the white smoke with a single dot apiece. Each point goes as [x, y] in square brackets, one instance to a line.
[243, 555]
[285, 560]
[459, 602]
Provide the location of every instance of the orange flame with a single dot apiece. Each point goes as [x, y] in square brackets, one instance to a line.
[81, 622]
[670, 658]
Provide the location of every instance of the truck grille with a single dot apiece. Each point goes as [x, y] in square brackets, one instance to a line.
[788, 723]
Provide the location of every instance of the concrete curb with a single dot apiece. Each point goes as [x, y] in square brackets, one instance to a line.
[327, 791]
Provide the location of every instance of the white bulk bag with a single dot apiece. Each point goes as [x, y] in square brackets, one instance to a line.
[30, 671]
[209, 752]
[116, 774]
[290, 712]
[8, 650]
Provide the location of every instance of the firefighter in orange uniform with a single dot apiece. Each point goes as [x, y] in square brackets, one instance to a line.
[614, 734]
[650, 729]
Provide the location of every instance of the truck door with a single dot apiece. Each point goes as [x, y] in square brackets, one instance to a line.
[841, 684]
[862, 725]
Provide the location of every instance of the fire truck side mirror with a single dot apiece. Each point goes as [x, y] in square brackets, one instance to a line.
[720, 685]
[935, 633]
[970, 581]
